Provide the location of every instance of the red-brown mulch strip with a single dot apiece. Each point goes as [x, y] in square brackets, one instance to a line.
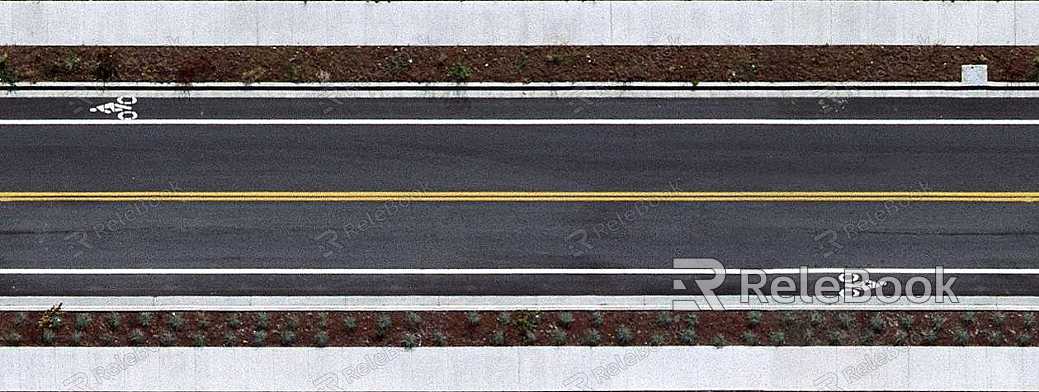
[791, 328]
[518, 64]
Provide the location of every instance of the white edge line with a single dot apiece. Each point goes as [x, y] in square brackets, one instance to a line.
[573, 93]
[526, 122]
[487, 303]
[497, 271]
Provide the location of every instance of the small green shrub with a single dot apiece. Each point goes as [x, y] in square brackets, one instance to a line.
[777, 338]
[657, 340]
[234, 322]
[439, 338]
[288, 337]
[566, 319]
[624, 336]
[48, 336]
[753, 318]
[322, 320]
[144, 319]
[996, 338]
[905, 321]
[1024, 339]
[349, 324]
[175, 321]
[719, 341]
[198, 340]
[263, 321]
[846, 321]
[413, 319]
[136, 337]
[473, 319]
[20, 319]
[815, 319]
[167, 339]
[961, 337]
[1029, 320]
[664, 319]
[559, 337]
[591, 337]
[504, 319]
[937, 321]
[114, 321]
[291, 322]
[999, 319]
[230, 339]
[459, 72]
[259, 338]
[837, 338]
[901, 338]
[692, 320]
[321, 338]
[82, 322]
[383, 323]
[409, 341]
[597, 319]
[968, 318]
[687, 337]
[530, 337]
[76, 338]
[931, 336]
[788, 318]
[497, 338]
[749, 338]
[202, 321]
[877, 323]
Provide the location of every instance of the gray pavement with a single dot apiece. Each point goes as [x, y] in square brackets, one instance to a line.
[510, 158]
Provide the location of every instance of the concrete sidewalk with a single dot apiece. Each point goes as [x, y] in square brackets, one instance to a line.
[520, 23]
[519, 368]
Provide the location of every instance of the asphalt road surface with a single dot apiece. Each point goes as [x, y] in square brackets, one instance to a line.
[154, 234]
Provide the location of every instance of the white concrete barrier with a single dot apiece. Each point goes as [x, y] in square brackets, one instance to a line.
[519, 368]
[519, 23]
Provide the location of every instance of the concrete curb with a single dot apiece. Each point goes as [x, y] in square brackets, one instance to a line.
[519, 368]
[490, 303]
[431, 23]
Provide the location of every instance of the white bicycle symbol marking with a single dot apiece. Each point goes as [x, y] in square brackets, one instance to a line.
[122, 108]
[855, 286]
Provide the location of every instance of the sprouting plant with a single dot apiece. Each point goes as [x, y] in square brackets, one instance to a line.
[473, 319]
[409, 341]
[321, 338]
[597, 319]
[497, 338]
[591, 337]
[753, 318]
[566, 319]
[624, 335]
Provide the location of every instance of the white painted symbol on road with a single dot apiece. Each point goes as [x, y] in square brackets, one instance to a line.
[122, 108]
[855, 286]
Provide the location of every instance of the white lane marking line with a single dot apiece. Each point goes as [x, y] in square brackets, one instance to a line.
[447, 302]
[503, 122]
[494, 271]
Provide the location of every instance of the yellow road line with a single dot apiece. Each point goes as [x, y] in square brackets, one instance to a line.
[984, 197]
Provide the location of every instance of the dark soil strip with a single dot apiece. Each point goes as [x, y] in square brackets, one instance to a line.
[410, 329]
[515, 64]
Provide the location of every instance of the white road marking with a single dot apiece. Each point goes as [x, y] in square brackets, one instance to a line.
[486, 303]
[526, 122]
[493, 271]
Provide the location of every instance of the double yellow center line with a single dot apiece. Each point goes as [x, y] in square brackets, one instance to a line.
[731, 197]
